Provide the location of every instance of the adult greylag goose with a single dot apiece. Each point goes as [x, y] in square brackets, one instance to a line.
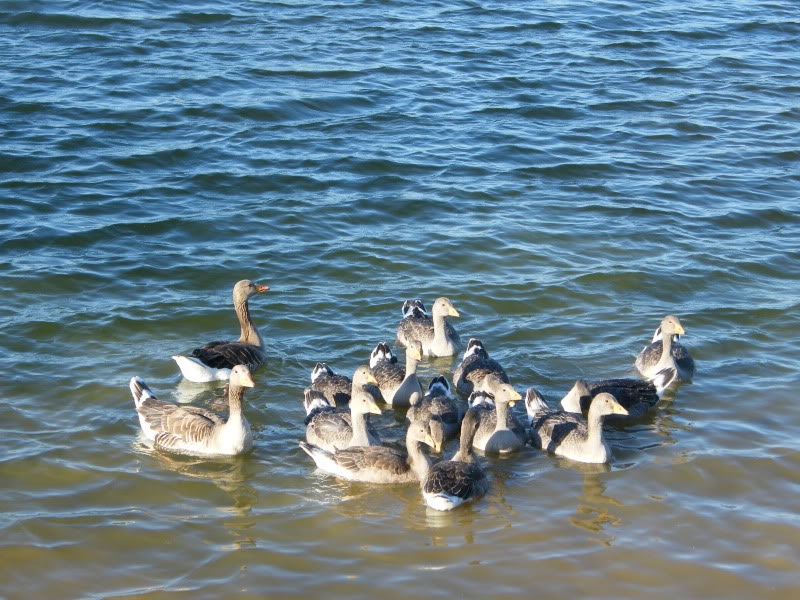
[474, 367]
[332, 385]
[437, 336]
[334, 428]
[450, 483]
[215, 360]
[637, 396]
[377, 464]
[191, 430]
[499, 431]
[568, 434]
[667, 353]
[438, 409]
[399, 386]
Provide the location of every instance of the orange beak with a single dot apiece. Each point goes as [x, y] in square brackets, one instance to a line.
[262, 288]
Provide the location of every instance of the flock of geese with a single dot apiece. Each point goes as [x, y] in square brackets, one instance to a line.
[342, 441]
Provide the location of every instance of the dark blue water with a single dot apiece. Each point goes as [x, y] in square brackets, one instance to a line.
[567, 173]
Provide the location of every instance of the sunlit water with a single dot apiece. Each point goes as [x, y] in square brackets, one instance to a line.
[567, 173]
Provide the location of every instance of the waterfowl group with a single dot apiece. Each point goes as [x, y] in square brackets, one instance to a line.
[341, 440]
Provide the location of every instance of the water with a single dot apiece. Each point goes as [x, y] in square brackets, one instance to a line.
[567, 173]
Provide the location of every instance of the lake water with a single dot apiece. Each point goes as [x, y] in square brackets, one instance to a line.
[566, 172]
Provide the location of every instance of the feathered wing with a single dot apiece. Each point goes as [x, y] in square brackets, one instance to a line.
[551, 429]
[383, 459]
[388, 374]
[175, 425]
[335, 387]
[226, 355]
[474, 369]
[636, 395]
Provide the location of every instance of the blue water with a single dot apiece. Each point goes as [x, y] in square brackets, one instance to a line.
[566, 173]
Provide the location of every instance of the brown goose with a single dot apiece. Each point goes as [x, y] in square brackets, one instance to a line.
[450, 483]
[215, 360]
[336, 428]
[377, 464]
[192, 430]
[437, 336]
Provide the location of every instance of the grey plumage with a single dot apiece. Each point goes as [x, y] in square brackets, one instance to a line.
[474, 367]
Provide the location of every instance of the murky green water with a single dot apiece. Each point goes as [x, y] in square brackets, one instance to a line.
[567, 173]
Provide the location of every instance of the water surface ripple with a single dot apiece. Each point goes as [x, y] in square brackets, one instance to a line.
[567, 173]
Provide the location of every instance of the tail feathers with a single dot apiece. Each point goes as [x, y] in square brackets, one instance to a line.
[140, 391]
[534, 403]
[321, 457]
[664, 378]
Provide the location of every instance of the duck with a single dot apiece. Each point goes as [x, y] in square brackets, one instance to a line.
[332, 385]
[382, 352]
[568, 434]
[332, 428]
[637, 396]
[474, 367]
[191, 430]
[451, 483]
[667, 353]
[399, 386]
[215, 360]
[377, 464]
[499, 431]
[438, 409]
[437, 336]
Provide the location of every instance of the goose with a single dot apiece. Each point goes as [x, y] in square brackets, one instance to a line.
[399, 386]
[637, 396]
[499, 431]
[377, 464]
[332, 428]
[450, 483]
[332, 385]
[214, 361]
[438, 409]
[667, 353]
[192, 430]
[474, 367]
[568, 434]
[437, 336]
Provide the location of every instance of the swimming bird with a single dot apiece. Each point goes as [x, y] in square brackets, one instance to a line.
[437, 336]
[377, 464]
[215, 360]
[438, 409]
[667, 353]
[637, 396]
[450, 483]
[334, 428]
[499, 431]
[568, 434]
[399, 386]
[474, 367]
[191, 430]
[381, 352]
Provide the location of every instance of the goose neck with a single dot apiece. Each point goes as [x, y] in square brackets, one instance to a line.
[249, 334]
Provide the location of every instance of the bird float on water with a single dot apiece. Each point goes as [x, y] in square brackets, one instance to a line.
[437, 336]
[666, 352]
[192, 430]
[214, 361]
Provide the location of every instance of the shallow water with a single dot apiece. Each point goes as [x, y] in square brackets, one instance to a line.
[567, 174]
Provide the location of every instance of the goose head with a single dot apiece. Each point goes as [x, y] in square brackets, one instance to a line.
[241, 376]
[245, 289]
[363, 403]
[419, 432]
[657, 336]
[502, 391]
[362, 376]
[671, 325]
[319, 370]
[443, 307]
[438, 434]
[414, 350]
[605, 404]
